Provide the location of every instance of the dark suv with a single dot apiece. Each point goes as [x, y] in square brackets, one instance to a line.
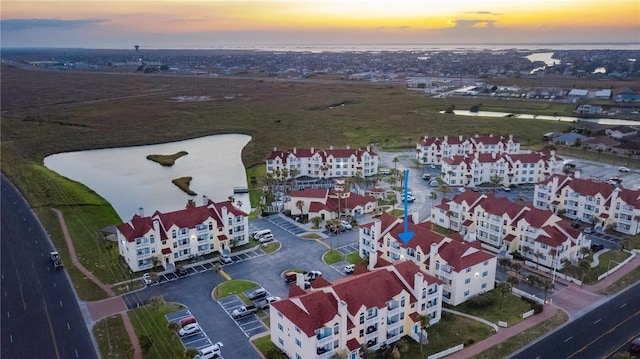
[180, 271]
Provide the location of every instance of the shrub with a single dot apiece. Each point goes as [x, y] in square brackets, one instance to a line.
[537, 308]
[481, 301]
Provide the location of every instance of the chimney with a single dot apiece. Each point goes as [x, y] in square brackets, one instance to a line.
[330, 147]
[141, 212]
[491, 135]
[295, 150]
[576, 174]
[344, 315]
[205, 200]
[510, 136]
[312, 149]
[418, 284]
[414, 217]
[348, 147]
[300, 281]
[460, 138]
[432, 258]
[224, 214]
[373, 259]
[275, 149]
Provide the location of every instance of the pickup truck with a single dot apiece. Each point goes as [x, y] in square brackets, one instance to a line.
[243, 311]
[56, 260]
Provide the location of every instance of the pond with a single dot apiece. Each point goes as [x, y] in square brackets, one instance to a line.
[601, 121]
[129, 181]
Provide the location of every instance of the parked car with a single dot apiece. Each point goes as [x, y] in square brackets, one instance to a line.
[588, 230]
[313, 275]
[180, 271]
[426, 177]
[623, 169]
[266, 302]
[257, 294]
[410, 198]
[346, 224]
[475, 189]
[634, 347]
[146, 278]
[266, 238]
[210, 352]
[349, 268]
[225, 256]
[189, 329]
[461, 189]
[385, 171]
[243, 311]
[506, 189]
[290, 277]
[596, 247]
[186, 321]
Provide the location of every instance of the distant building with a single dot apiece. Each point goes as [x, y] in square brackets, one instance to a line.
[588, 109]
[329, 163]
[331, 204]
[434, 149]
[621, 132]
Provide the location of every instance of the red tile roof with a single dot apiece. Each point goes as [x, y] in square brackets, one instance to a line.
[353, 344]
[310, 311]
[310, 193]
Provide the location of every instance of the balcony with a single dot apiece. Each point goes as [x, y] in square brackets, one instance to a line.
[371, 329]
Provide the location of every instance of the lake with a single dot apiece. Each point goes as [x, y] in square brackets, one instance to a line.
[128, 180]
[600, 121]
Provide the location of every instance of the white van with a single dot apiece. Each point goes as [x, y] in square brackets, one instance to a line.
[210, 352]
[259, 234]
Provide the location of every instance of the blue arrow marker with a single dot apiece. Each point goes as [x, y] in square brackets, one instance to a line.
[406, 235]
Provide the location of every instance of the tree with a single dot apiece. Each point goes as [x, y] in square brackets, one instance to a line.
[553, 252]
[504, 262]
[433, 196]
[395, 163]
[495, 181]
[145, 343]
[173, 326]
[623, 355]
[538, 255]
[527, 251]
[547, 286]
[424, 324]
[513, 280]
[300, 206]
[316, 222]
[190, 353]
[504, 288]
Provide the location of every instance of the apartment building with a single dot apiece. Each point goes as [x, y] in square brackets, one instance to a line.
[506, 169]
[330, 204]
[504, 227]
[431, 150]
[167, 238]
[598, 203]
[364, 310]
[329, 163]
[464, 268]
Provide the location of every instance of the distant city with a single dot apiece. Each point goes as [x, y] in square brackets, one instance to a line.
[380, 63]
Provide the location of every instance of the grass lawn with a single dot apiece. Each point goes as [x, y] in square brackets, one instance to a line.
[332, 256]
[622, 283]
[516, 342]
[354, 258]
[607, 261]
[151, 327]
[234, 287]
[112, 338]
[510, 311]
[268, 349]
[311, 236]
[271, 247]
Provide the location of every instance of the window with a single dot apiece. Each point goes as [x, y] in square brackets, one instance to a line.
[467, 281]
[483, 286]
[466, 293]
[173, 234]
[362, 318]
[152, 239]
[402, 301]
[485, 273]
[361, 333]
[280, 327]
[298, 343]
[280, 341]
[297, 330]
[468, 270]
[336, 329]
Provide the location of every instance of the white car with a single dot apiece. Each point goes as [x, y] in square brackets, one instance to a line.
[506, 189]
[461, 189]
[147, 279]
[349, 268]
[266, 238]
[189, 329]
[346, 225]
[623, 169]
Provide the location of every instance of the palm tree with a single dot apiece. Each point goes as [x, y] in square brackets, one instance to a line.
[424, 324]
[547, 285]
[316, 222]
[513, 281]
[538, 255]
[395, 163]
[527, 251]
[300, 206]
[433, 196]
[553, 252]
[504, 262]
[517, 267]
[504, 288]
[495, 181]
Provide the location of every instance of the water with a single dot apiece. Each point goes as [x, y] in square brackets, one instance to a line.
[546, 57]
[600, 121]
[127, 180]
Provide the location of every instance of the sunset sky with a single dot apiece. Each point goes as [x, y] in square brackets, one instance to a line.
[245, 23]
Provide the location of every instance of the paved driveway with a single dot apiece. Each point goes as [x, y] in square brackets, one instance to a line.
[198, 340]
[250, 325]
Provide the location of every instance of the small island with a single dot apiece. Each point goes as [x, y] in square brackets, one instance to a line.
[167, 160]
[183, 183]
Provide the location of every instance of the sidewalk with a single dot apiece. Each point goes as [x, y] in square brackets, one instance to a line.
[504, 334]
[104, 308]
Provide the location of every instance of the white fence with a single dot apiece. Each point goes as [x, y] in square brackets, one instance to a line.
[521, 293]
[604, 275]
[550, 271]
[444, 353]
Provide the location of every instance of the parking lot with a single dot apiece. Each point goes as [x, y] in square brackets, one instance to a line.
[251, 324]
[286, 225]
[198, 340]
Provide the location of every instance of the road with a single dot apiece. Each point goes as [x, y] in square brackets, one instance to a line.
[40, 316]
[596, 334]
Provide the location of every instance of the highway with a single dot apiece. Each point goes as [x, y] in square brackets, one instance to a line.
[597, 334]
[40, 316]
